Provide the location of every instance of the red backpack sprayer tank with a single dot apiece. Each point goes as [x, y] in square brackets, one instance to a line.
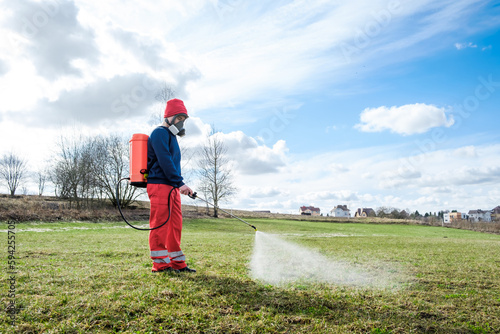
[138, 151]
[138, 177]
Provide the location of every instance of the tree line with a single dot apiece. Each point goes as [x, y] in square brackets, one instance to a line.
[85, 171]
[395, 213]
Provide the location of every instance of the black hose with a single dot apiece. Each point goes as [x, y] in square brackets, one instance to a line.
[121, 213]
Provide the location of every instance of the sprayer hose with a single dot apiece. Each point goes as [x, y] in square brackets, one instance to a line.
[121, 213]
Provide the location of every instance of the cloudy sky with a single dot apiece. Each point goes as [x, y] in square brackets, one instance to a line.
[365, 103]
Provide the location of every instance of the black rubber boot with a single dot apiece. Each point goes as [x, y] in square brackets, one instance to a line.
[187, 270]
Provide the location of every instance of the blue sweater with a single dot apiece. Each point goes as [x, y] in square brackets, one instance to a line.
[164, 158]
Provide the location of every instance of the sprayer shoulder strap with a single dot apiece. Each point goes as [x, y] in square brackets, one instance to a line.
[150, 163]
[155, 158]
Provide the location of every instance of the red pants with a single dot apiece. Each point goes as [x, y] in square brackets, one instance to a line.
[165, 242]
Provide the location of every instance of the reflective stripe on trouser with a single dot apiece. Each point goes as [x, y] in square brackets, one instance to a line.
[177, 257]
[160, 257]
[168, 236]
[166, 260]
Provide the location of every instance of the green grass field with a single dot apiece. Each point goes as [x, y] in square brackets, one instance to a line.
[95, 278]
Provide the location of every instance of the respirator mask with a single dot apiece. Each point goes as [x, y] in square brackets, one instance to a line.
[177, 128]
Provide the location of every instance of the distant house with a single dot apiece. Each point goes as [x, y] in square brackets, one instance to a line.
[310, 211]
[446, 217]
[455, 216]
[480, 216]
[495, 213]
[340, 211]
[365, 212]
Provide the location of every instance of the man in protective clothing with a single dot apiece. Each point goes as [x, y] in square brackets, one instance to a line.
[164, 181]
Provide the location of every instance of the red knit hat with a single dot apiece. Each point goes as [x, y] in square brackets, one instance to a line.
[175, 107]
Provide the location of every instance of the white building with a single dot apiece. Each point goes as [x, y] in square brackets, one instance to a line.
[480, 216]
[340, 211]
[446, 217]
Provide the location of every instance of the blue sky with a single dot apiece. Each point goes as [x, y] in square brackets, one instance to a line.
[364, 103]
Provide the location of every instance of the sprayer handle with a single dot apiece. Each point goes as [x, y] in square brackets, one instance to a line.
[193, 195]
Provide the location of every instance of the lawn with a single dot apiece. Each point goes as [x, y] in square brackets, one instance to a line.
[95, 277]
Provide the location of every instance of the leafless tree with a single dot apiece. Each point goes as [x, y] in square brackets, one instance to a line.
[391, 212]
[165, 93]
[41, 177]
[110, 165]
[72, 173]
[88, 168]
[12, 171]
[187, 154]
[213, 171]
[386, 212]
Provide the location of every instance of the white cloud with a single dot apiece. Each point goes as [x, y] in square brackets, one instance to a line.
[466, 152]
[119, 98]
[403, 177]
[467, 175]
[331, 128]
[254, 159]
[340, 195]
[263, 192]
[436, 190]
[461, 46]
[338, 168]
[53, 36]
[405, 120]
[4, 67]
[426, 202]
[246, 154]
[196, 130]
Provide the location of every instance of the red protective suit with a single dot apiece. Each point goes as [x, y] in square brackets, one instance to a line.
[165, 242]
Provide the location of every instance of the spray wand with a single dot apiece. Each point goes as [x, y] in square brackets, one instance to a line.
[195, 196]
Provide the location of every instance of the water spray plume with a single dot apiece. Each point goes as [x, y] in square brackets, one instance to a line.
[278, 262]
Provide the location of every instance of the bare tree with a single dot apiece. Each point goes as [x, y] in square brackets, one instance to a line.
[391, 212]
[88, 169]
[12, 171]
[214, 174]
[41, 177]
[386, 212]
[110, 165]
[187, 154]
[72, 173]
[165, 93]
